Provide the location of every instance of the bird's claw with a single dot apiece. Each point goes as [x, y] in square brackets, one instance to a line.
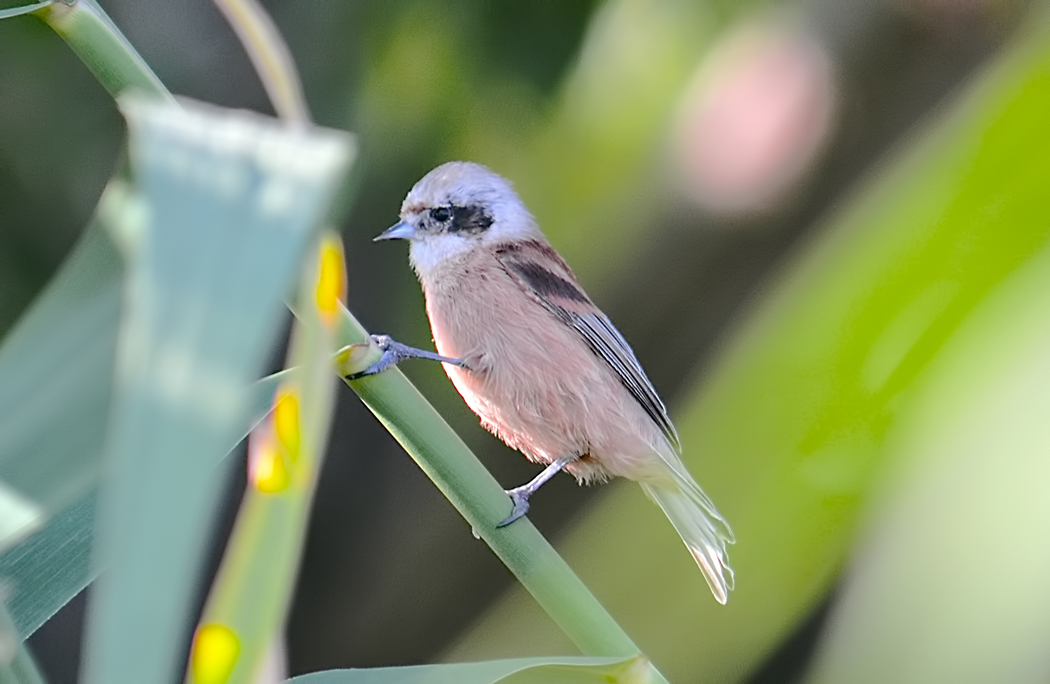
[384, 342]
[391, 356]
[520, 497]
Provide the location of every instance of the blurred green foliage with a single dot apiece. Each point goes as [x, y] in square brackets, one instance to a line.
[948, 585]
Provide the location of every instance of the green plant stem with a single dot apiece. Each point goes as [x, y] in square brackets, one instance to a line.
[102, 47]
[270, 55]
[479, 498]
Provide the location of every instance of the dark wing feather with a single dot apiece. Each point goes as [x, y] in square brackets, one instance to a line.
[559, 294]
[608, 343]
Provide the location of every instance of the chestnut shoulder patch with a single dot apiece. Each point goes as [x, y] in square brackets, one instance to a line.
[544, 282]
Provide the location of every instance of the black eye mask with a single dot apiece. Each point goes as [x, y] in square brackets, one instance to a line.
[469, 220]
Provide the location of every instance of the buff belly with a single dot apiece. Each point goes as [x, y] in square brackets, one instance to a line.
[536, 384]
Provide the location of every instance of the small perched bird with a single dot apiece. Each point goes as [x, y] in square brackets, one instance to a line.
[541, 365]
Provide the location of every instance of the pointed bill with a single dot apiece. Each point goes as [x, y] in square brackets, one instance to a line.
[398, 231]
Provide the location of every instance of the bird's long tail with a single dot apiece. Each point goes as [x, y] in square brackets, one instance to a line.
[702, 528]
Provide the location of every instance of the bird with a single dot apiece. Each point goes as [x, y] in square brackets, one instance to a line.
[539, 363]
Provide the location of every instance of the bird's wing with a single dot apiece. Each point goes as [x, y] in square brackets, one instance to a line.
[545, 277]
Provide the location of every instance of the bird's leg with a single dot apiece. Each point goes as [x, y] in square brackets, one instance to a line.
[520, 495]
[394, 352]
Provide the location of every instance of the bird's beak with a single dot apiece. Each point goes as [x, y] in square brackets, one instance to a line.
[403, 231]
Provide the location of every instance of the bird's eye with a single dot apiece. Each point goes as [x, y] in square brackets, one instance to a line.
[441, 214]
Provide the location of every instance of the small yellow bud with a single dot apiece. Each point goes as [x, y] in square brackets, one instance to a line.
[266, 465]
[215, 651]
[286, 421]
[331, 279]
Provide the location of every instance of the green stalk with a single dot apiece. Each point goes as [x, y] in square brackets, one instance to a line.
[481, 500]
[270, 55]
[102, 47]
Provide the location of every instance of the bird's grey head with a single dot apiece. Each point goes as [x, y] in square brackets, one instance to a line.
[457, 207]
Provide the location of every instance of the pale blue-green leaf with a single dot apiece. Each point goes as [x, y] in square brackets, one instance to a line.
[553, 670]
[56, 369]
[45, 571]
[232, 201]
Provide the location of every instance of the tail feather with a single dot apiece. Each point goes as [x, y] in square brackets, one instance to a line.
[702, 528]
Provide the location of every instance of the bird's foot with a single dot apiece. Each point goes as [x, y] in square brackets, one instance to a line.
[394, 353]
[519, 496]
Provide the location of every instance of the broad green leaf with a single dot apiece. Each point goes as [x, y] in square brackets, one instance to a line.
[56, 366]
[950, 584]
[519, 671]
[56, 369]
[788, 432]
[228, 202]
[51, 567]
[45, 571]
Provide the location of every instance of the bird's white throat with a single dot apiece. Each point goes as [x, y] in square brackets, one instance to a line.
[432, 251]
